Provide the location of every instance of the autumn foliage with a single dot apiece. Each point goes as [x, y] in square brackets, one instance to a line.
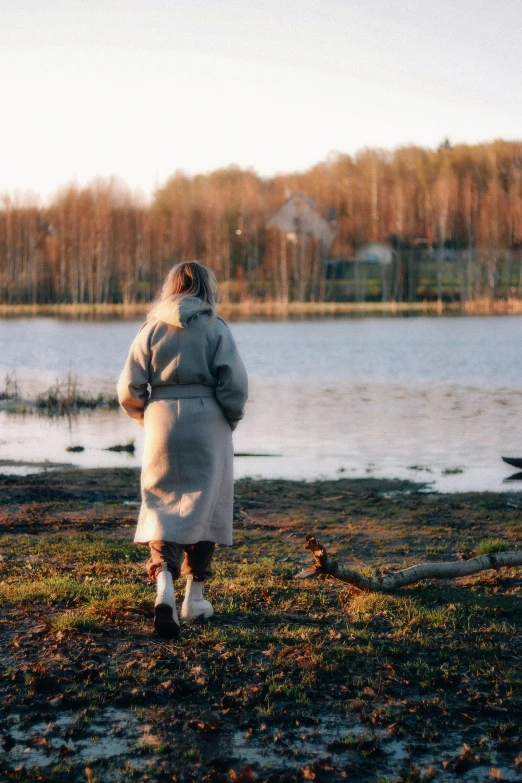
[453, 217]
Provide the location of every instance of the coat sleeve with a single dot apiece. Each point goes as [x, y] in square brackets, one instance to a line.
[133, 386]
[232, 381]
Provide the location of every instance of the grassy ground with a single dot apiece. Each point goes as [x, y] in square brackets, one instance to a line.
[290, 680]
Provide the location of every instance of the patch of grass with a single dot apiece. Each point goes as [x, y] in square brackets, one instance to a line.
[436, 550]
[73, 620]
[99, 595]
[54, 588]
[88, 548]
[488, 546]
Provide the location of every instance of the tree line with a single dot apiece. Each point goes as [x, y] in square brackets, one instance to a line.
[453, 217]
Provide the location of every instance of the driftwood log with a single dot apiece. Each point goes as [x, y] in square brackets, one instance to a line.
[384, 584]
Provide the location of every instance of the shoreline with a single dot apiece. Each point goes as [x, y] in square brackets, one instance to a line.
[275, 309]
[447, 482]
[411, 481]
[77, 477]
[56, 488]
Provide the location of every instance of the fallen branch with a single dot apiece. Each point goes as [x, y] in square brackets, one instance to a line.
[383, 584]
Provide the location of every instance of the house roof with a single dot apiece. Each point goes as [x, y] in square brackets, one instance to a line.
[300, 215]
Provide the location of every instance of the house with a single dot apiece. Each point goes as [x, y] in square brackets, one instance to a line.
[300, 218]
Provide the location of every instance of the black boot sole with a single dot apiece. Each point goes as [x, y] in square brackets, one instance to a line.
[164, 622]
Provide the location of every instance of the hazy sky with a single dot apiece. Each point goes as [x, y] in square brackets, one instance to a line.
[140, 89]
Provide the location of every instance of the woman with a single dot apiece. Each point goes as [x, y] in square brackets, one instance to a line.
[186, 356]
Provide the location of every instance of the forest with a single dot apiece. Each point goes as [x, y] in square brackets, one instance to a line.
[451, 216]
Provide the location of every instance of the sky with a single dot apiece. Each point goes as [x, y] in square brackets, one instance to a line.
[138, 90]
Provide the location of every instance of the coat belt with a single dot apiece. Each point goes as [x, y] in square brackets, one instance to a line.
[181, 391]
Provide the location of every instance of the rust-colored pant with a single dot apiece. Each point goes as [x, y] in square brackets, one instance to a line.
[198, 558]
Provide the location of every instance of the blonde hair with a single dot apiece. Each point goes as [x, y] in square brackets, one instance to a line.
[191, 278]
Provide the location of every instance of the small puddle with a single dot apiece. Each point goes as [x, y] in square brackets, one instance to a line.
[110, 733]
[20, 470]
[346, 739]
[23, 468]
[306, 744]
[120, 735]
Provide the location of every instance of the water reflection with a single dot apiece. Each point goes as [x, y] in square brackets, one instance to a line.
[449, 436]
[514, 477]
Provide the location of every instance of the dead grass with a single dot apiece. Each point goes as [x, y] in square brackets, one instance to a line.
[271, 308]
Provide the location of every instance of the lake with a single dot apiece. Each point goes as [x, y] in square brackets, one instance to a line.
[431, 399]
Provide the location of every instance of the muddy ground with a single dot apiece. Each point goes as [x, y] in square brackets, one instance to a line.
[290, 680]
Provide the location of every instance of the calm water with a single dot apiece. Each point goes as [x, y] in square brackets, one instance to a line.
[416, 397]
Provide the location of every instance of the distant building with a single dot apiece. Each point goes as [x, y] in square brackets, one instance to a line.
[306, 237]
[374, 253]
[370, 253]
[301, 218]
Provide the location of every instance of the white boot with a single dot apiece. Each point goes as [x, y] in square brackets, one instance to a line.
[194, 605]
[166, 620]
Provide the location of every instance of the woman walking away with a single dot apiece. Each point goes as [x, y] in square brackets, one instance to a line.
[185, 382]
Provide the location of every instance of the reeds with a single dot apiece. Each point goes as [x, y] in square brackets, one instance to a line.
[62, 398]
[11, 390]
[65, 397]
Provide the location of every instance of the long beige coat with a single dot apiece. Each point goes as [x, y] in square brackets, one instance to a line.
[198, 389]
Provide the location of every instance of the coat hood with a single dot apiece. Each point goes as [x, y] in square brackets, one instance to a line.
[178, 310]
